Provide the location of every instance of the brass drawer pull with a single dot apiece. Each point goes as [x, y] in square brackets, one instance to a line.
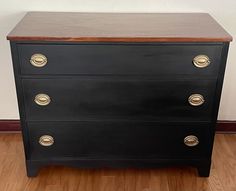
[42, 99]
[196, 100]
[191, 141]
[46, 140]
[38, 60]
[201, 61]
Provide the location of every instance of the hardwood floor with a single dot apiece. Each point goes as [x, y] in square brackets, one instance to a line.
[13, 176]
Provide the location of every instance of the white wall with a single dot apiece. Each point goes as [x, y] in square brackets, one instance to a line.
[11, 11]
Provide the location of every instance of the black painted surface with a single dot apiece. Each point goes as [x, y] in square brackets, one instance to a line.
[137, 116]
[119, 98]
[117, 140]
[121, 59]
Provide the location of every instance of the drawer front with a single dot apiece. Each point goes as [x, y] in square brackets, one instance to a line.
[105, 98]
[120, 59]
[116, 140]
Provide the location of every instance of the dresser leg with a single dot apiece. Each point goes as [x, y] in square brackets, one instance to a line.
[204, 169]
[32, 169]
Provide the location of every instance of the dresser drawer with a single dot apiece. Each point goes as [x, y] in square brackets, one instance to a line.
[106, 98]
[119, 59]
[116, 139]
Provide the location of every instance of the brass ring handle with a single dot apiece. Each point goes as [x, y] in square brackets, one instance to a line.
[38, 60]
[42, 99]
[201, 61]
[46, 140]
[191, 141]
[196, 100]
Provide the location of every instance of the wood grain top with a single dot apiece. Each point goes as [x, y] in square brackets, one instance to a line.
[118, 27]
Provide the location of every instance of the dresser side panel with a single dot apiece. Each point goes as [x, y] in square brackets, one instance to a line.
[20, 97]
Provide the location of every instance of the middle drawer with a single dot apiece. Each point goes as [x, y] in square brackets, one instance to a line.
[72, 99]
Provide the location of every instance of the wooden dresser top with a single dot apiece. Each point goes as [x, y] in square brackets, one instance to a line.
[118, 27]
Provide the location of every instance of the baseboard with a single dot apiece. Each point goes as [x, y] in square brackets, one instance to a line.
[9, 125]
[226, 126]
[223, 126]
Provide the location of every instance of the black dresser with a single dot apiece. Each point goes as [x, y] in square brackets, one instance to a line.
[118, 90]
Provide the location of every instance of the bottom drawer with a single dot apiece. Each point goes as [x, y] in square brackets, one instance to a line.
[118, 140]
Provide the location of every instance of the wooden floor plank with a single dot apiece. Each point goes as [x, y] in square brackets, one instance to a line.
[13, 175]
[225, 161]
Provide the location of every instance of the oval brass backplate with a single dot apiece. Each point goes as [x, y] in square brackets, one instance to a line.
[42, 99]
[201, 61]
[46, 140]
[38, 60]
[191, 141]
[196, 100]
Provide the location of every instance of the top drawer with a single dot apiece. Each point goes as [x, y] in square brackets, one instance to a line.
[119, 59]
